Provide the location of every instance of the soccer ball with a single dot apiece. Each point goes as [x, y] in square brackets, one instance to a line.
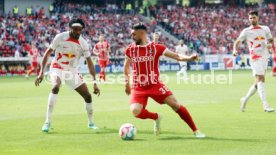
[127, 131]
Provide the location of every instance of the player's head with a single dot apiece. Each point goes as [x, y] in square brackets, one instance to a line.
[139, 33]
[101, 38]
[181, 42]
[155, 37]
[76, 26]
[253, 17]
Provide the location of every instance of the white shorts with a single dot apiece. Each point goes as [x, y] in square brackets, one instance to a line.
[259, 66]
[71, 78]
[183, 63]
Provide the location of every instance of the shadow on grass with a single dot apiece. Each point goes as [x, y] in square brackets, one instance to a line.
[209, 139]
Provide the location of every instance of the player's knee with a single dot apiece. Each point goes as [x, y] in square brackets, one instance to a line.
[261, 78]
[135, 110]
[173, 104]
[88, 98]
[55, 89]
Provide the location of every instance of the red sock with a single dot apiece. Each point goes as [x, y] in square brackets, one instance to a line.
[146, 114]
[30, 72]
[185, 115]
[104, 75]
[37, 71]
[101, 74]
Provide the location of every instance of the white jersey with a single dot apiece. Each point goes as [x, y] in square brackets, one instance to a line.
[68, 51]
[183, 50]
[256, 38]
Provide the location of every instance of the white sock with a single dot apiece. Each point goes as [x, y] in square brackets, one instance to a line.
[261, 91]
[51, 102]
[184, 70]
[89, 109]
[252, 90]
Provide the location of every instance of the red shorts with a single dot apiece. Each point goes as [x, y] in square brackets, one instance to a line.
[274, 70]
[103, 63]
[34, 64]
[158, 92]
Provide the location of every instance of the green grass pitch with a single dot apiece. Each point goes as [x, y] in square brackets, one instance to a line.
[214, 107]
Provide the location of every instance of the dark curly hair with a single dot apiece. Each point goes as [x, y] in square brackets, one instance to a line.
[80, 21]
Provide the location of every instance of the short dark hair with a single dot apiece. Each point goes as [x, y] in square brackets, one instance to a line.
[139, 26]
[78, 20]
[254, 12]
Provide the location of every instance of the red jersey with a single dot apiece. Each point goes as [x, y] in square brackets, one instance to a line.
[145, 63]
[34, 54]
[102, 49]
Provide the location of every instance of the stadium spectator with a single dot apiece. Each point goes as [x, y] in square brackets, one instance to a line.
[209, 29]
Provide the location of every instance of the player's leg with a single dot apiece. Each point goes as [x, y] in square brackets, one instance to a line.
[56, 83]
[181, 111]
[138, 109]
[103, 76]
[185, 71]
[252, 90]
[138, 103]
[37, 68]
[260, 77]
[102, 72]
[184, 114]
[29, 72]
[104, 66]
[179, 72]
[84, 92]
[262, 93]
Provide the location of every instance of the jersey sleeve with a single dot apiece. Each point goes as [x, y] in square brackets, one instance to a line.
[268, 33]
[86, 52]
[55, 42]
[242, 36]
[176, 49]
[108, 45]
[127, 52]
[160, 49]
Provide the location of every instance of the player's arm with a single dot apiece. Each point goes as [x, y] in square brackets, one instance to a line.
[127, 73]
[43, 66]
[92, 71]
[236, 47]
[270, 45]
[180, 57]
[269, 40]
[95, 51]
[237, 43]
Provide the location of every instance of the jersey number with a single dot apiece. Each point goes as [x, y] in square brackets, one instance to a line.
[164, 89]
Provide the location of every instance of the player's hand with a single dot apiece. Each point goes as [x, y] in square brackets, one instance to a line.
[235, 53]
[128, 89]
[194, 57]
[269, 46]
[39, 79]
[96, 90]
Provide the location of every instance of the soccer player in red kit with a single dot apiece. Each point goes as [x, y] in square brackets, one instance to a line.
[34, 63]
[274, 57]
[102, 49]
[144, 56]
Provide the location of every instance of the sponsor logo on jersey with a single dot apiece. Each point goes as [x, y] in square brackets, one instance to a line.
[259, 38]
[69, 55]
[142, 58]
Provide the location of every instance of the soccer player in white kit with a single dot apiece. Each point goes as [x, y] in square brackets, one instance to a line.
[68, 47]
[259, 41]
[182, 49]
[155, 37]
